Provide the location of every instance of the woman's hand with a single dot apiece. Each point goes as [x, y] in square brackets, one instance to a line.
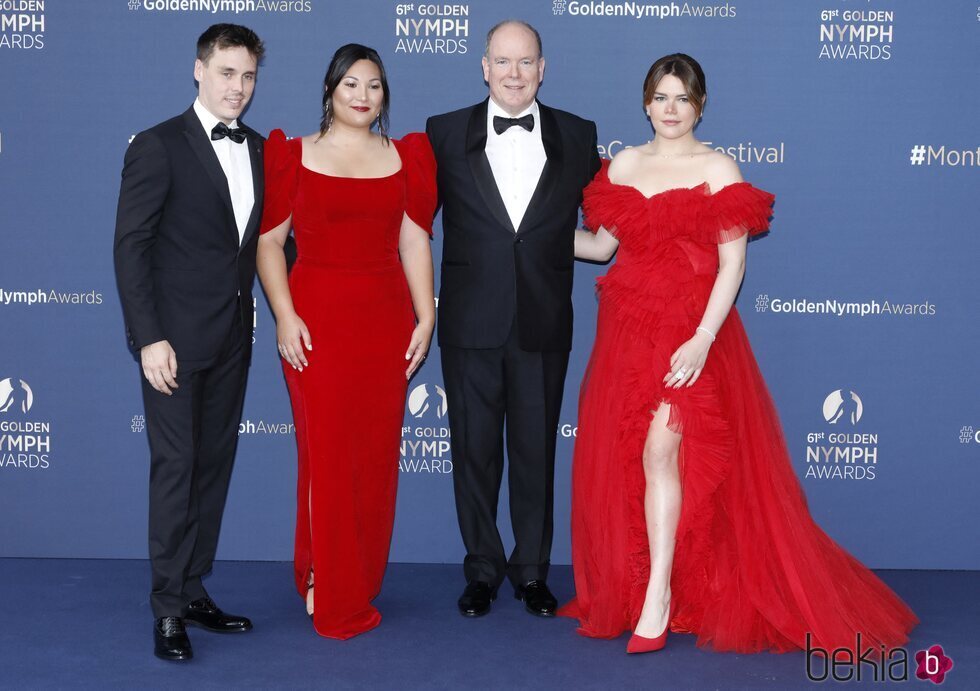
[598, 248]
[687, 361]
[294, 341]
[418, 347]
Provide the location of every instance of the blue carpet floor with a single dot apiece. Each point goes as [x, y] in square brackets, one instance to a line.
[86, 624]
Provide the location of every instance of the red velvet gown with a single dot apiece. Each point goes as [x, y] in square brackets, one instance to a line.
[751, 571]
[349, 286]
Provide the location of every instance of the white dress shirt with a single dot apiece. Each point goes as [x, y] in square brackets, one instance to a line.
[236, 164]
[516, 158]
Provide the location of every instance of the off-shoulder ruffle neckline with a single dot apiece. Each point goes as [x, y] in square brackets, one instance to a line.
[702, 187]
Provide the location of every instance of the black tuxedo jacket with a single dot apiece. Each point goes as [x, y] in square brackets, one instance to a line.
[181, 272]
[492, 273]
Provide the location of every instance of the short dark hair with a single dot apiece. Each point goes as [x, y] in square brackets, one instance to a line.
[518, 22]
[229, 36]
[685, 68]
[341, 61]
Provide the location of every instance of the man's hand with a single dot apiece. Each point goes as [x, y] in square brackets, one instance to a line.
[160, 366]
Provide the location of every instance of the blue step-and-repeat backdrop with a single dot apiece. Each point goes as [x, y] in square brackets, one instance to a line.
[862, 303]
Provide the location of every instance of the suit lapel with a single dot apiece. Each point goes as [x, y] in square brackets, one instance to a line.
[258, 184]
[201, 146]
[554, 152]
[476, 155]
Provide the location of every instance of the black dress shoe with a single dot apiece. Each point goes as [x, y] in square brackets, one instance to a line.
[170, 641]
[207, 615]
[537, 598]
[476, 598]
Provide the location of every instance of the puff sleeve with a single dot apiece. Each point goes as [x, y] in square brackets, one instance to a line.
[281, 163]
[421, 195]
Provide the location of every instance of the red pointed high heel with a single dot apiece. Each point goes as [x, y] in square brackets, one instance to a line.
[642, 644]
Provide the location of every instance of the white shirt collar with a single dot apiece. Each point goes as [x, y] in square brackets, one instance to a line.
[494, 109]
[208, 120]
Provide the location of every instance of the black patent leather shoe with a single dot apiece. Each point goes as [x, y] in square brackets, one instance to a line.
[170, 641]
[207, 615]
[537, 599]
[476, 598]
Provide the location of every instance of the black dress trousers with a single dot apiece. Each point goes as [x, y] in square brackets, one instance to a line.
[193, 435]
[488, 389]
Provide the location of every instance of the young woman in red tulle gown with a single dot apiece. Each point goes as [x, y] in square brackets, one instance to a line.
[353, 322]
[686, 512]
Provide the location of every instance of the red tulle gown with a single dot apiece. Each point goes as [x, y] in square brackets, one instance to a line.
[752, 571]
[349, 286]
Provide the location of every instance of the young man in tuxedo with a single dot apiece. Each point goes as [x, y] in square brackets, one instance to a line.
[186, 232]
[511, 172]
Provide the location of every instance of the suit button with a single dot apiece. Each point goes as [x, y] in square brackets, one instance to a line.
[518, 241]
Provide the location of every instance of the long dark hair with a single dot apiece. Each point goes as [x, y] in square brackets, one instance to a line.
[341, 62]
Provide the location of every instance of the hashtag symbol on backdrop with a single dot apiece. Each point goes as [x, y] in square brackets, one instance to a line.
[139, 422]
[762, 303]
[966, 435]
[558, 6]
[918, 156]
[134, 4]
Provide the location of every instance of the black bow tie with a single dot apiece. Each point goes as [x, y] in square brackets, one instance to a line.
[501, 125]
[221, 130]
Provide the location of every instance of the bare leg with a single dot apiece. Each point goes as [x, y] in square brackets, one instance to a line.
[662, 507]
[309, 578]
[309, 594]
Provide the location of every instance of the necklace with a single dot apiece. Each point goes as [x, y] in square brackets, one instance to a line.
[686, 154]
[689, 154]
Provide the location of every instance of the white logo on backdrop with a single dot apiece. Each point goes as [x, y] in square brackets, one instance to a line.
[840, 408]
[432, 29]
[968, 434]
[845, 453]
[642, 10]
[15, 396]
[923, 155]
[856, 34]
[427, 400]
[24, 443]
[843, 307]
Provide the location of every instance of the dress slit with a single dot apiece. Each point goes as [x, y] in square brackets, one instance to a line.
[752, 571]
[350, 289]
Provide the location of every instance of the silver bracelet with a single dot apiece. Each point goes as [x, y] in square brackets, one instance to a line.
[701, 328]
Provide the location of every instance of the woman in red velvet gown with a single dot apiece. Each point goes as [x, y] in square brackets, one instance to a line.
[673, 406]
[361, 207]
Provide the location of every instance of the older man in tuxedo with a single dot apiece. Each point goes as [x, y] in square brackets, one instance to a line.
[186, 232]
[511, 172]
